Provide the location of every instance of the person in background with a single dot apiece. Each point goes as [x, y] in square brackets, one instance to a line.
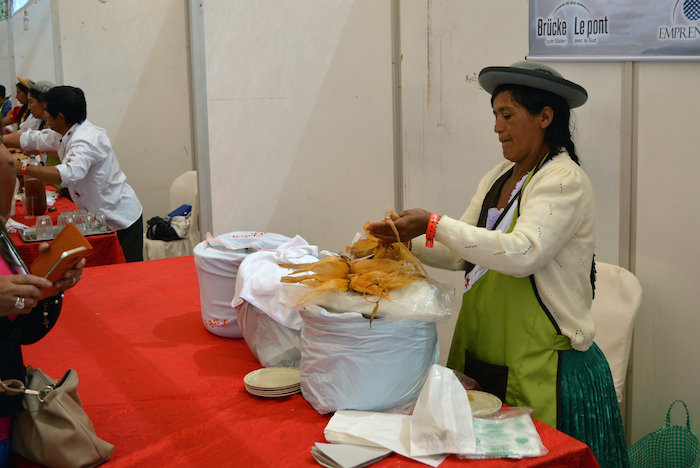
[24, 317]
[20, 113]
[36, 120]
[526, 241]
[6, 105]
[88, 168]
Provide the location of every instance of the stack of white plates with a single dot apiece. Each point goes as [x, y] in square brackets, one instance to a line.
[273, 382]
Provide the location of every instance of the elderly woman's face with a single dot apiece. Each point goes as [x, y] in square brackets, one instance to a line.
[7, 182]
[521, 134]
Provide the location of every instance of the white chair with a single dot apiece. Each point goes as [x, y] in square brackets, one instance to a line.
[183, 191]
[618, 295]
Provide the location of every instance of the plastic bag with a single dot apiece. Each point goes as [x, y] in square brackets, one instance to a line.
[442, 419]
[508, 433]
[345, 364]
[271, 343]
[422, 300]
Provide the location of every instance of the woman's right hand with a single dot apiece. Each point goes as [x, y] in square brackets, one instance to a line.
[13, 287]
[410, 223]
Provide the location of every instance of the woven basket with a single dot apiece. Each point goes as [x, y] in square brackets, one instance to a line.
[668, 447]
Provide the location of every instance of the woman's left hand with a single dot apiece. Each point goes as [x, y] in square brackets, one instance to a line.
[71, 277]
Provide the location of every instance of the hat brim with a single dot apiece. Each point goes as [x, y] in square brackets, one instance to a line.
[25, 81]
[491, 77]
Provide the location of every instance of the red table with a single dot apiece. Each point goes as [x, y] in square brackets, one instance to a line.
[168, 393]
[105, 248]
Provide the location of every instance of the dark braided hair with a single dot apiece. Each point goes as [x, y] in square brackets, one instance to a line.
[558, 133]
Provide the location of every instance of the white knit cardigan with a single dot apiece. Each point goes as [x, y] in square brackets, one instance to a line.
[553, 238]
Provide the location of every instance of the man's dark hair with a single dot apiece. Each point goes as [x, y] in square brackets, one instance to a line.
[66, 100]
[2, 92]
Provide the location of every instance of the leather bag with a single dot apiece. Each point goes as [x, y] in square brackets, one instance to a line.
[54, 430]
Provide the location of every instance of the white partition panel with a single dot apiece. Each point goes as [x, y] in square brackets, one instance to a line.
[131, 59]
[32, 48]
[666, 344]
[299, 107]
[449, 142]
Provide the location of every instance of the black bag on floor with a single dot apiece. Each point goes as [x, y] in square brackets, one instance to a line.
[160, 229]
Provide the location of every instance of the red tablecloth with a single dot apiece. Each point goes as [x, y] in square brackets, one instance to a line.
[105, 248]
[167, 393]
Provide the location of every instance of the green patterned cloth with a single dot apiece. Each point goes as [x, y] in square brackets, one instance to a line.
[589, 408]
[668, 447]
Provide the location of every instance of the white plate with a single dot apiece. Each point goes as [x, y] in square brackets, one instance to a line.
[273, 377]
[483, 403]
[272, 394]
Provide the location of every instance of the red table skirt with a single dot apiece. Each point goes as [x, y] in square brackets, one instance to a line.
[166, 392]
[105, 248]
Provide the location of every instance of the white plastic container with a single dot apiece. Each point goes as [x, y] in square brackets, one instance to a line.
[217, 261]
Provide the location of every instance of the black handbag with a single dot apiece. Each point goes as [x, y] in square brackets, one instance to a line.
[160, 229]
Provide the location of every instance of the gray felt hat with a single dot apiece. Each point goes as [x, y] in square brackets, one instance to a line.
[42, 86]
[535, 75]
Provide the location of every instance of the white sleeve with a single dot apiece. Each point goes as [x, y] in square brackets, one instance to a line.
[554, 204]
[41, 140]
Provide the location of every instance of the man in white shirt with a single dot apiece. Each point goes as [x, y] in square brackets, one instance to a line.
[88, 166]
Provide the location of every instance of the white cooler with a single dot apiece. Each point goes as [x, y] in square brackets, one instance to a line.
[217, 260]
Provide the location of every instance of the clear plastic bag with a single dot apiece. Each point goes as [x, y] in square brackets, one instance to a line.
[422, 300]
[507, 433]
[271, 343]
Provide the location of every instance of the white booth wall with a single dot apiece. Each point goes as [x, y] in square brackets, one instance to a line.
[131, 58]
[300, 120]
[32, 51]
[301, 143]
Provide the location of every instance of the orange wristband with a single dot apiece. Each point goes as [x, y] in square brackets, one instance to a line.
[430, 231]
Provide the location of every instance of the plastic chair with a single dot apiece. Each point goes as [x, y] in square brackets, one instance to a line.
[183, 191]
[618, 295]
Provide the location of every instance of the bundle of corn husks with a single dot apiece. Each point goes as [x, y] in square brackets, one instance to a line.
[370, 269]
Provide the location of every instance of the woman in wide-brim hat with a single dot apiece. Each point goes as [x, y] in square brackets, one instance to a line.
[525, 331]
[20, 113]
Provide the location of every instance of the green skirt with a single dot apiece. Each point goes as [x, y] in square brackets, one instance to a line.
[589, 408]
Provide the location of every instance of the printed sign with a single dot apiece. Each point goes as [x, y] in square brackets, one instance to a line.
[628, 30]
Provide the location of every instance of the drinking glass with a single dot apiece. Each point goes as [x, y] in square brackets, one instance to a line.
[79, 219]
[64, 218]
[100, 221]
[89, 221]
[43, 227]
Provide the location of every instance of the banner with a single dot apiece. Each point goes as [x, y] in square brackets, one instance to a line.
[624, 30]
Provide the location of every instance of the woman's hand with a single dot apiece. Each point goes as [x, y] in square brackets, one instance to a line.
[71, 277]
[16, 290]
[411, 223]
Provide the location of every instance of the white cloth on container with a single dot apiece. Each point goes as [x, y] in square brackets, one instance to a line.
[345, 364]
[259, 276]
[217, 260]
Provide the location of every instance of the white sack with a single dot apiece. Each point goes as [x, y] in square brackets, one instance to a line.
[271, 343]
[217, 260]
[345, 364]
